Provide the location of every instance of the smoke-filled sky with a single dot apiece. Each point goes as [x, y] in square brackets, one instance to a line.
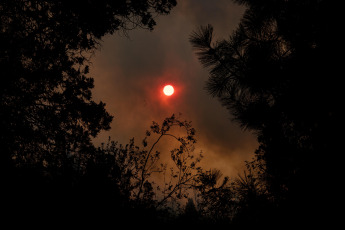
[130, 73]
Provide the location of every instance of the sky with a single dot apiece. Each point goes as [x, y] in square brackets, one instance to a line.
[131, 71]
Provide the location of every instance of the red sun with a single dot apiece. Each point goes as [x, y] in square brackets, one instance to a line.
[168, 90]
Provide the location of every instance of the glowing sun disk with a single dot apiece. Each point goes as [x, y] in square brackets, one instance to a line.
[168, 90]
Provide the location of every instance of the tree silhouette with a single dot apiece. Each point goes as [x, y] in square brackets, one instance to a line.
[277, 76]
[128, 175]
[47, 107]
[215, 198]
[48, 115]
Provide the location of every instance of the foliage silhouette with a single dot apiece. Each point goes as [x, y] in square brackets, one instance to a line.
[215, 200]
[134, 169]
[47, 107]
[48, 115]
[277, 76]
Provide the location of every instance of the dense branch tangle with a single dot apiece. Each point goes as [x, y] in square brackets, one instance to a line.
[182, 175]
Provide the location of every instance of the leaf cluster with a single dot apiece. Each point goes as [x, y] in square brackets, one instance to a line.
[46, 106]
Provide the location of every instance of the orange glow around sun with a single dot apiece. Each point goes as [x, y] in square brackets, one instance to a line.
[168, 90]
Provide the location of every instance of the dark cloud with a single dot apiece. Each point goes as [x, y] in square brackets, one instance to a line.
[131, 72]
